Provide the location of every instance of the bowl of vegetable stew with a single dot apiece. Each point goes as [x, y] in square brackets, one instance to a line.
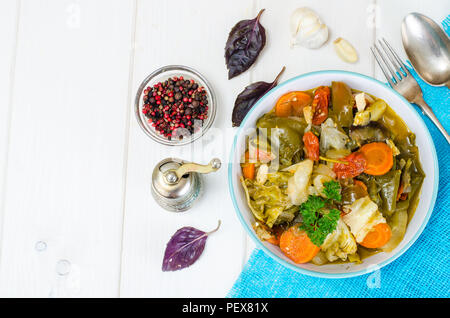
[333, 174]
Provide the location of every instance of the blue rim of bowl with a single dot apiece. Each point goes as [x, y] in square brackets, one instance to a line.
[311, 272]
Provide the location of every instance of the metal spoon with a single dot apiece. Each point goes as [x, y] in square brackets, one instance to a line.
[428, 49]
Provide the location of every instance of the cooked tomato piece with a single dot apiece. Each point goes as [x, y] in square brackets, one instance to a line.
[311, 143]
[356, 164]
[320, 104]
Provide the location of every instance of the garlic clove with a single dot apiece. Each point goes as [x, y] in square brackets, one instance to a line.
[345, 50]
[315, 39]
[360, 100]
[261, 175]
[307, 29]
[297, 16]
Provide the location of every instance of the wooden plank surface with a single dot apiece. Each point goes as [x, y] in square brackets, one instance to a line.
[8, 34]
[75, 171]
[64, 184]
[195, 36]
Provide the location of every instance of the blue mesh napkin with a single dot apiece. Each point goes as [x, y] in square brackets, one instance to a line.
[422, 271]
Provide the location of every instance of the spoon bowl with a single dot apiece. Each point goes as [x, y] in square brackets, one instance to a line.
[428, 48]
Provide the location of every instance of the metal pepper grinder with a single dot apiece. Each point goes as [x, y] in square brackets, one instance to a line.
[176, 184]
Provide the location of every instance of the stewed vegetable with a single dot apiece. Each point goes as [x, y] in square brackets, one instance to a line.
[331, 175]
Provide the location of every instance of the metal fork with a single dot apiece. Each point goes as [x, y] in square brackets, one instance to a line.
[402, 81]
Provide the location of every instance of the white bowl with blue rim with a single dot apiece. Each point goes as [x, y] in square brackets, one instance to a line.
[402, 107]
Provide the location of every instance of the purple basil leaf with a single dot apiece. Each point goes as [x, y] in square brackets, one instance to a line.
[248, 97]
[184, 248]
[245, 42]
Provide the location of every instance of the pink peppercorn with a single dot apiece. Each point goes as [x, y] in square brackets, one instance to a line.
[174, 103]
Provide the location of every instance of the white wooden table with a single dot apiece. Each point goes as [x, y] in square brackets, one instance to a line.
[77, 218]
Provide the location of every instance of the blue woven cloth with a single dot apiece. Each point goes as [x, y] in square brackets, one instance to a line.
[422, 271]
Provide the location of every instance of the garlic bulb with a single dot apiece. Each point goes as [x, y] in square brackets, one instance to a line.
[307, 29]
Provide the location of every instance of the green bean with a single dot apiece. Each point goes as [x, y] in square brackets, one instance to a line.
[389, 184]
[289, 132]
[343, 101]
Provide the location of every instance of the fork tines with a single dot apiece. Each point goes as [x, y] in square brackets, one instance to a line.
[389, 61]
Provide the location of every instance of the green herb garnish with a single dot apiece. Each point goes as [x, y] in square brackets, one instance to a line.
[332, 190]
[317, 221]
[310, 208]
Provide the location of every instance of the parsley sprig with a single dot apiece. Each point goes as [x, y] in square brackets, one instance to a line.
[332, 190]
[318, 221]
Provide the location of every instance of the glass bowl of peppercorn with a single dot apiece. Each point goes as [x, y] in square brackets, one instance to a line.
[175, 105]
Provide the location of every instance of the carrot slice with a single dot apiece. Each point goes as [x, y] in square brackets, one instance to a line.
[296, 245]
[379, 236]
[292, 104]
[379, 158]
[300, 100]
[274, 240]
[248, 170]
